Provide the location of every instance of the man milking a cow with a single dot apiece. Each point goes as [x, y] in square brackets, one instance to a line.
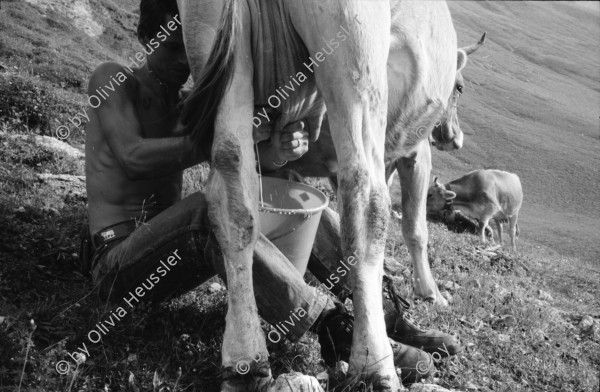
[137, 219]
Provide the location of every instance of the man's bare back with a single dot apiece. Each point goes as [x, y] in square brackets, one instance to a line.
[133, 165]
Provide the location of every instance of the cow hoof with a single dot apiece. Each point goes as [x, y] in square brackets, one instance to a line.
[247, 377]
[436, 299]
[263, 384]
[386, 382]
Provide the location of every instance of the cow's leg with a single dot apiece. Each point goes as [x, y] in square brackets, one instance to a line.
[513, 230]
[414, 181]
[232, 194]
[499, 227]
[352, 79]
[483, 226]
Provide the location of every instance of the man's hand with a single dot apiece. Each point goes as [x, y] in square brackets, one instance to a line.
[292, 142]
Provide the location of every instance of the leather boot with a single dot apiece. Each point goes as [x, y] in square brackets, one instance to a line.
[403, 329]
[335, 336]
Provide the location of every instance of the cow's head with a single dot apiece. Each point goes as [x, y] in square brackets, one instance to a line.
[447, 134]
[438, 198]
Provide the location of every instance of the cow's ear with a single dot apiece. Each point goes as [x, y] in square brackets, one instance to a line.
[449, 195]
[461, 60]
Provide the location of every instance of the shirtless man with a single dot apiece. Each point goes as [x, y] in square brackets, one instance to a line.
[147, 242]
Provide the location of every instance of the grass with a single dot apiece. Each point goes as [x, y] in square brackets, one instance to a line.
[533, 100]
[179, 341]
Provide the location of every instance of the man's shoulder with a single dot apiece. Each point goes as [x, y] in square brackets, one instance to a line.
[111, 77]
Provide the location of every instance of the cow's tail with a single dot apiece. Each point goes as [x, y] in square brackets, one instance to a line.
[200, 108]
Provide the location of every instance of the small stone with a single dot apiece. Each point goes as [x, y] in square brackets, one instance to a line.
[342, 367]
[544, 296]
[586, 322]
[214, 287]
[20, 209]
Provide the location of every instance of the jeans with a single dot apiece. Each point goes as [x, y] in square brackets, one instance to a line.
[176, 251]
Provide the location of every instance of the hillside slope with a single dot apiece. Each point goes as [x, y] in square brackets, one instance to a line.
[48, 49]
[532, 107]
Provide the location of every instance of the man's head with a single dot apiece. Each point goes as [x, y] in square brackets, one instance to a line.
[161, 33]
[447, 134]
[438, 197]
[153, 15]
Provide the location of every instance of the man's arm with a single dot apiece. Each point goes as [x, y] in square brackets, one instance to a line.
[140, 158]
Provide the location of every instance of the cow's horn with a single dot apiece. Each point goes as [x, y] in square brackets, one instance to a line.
[470, 49]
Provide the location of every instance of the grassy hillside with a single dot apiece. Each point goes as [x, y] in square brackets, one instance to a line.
[45, 61]
[531, 107]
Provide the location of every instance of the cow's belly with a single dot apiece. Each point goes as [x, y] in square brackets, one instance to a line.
[284, 86]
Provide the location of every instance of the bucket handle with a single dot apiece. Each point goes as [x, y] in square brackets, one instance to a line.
[305, 218]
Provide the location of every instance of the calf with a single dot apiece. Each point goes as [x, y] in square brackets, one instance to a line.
[482, 195]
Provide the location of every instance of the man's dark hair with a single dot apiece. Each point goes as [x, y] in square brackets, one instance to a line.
[152, 15]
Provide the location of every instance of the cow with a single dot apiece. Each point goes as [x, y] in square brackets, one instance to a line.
[447, 134]
[321, 161]
[481, 195]
[336, 52]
